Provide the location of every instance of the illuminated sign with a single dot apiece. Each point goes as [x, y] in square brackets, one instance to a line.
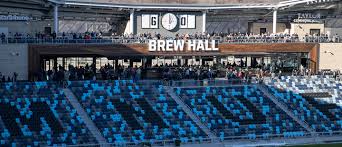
[181, 45]
[169, 21]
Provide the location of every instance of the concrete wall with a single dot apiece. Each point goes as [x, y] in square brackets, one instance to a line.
[330, 56]
[333, 26]
[68, 26]
[14, 58]
[71, 26]
[164, 32]
[255, 27]
[304, 28]
[128, 28]
[25, 27]
[333, 31]
[226, 25]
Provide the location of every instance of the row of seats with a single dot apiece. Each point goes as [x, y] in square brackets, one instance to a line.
[239, 111]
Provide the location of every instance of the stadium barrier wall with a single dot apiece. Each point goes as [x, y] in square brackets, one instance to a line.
[14, 58]
[330, 56]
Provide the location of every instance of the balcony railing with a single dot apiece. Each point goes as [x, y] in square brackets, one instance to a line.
[227, 40]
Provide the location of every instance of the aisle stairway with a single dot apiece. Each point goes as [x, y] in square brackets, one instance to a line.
[285, 109]
[88, 122]
[188, 111]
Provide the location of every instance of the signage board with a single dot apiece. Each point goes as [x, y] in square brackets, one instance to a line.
[149, 21]
[308, 18]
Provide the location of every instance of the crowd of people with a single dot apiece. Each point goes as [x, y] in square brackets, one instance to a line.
[166, 72]
[108, 72]
[196, 72]
[89, 72]
[19, 37]
[4, 78]
[234, 37]
[144, 37]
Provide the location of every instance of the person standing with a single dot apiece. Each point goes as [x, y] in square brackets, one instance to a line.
[138, 74]
[15, 77]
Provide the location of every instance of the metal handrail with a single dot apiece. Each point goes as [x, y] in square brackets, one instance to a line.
[209, 82]
[284, 104]
[145, 41]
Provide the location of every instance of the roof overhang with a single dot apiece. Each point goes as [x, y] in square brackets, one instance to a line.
[184, 6]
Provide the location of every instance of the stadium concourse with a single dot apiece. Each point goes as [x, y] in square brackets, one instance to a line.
[192, 73]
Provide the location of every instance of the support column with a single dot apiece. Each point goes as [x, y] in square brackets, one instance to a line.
[148, 62]
[131, 62]
[116, 64]
[93, 66]
[275, 21]
[55, 65]
[131, 19]
[63, 62]
[55, 20]
[204, 23]
[246, 61]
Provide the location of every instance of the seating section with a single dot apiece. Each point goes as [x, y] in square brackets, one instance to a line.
[315, 100]
[132, 113]
[239, 112]
[312, 84]
[38, 114]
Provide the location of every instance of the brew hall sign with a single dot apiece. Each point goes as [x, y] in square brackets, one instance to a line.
[182, 45]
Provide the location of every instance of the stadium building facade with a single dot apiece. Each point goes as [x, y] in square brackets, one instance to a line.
[244, 55]
[160, 21]
[242, 40]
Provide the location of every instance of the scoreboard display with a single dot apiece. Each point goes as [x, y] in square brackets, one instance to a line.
[187, 21]
[150, 21]
[182, 21]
